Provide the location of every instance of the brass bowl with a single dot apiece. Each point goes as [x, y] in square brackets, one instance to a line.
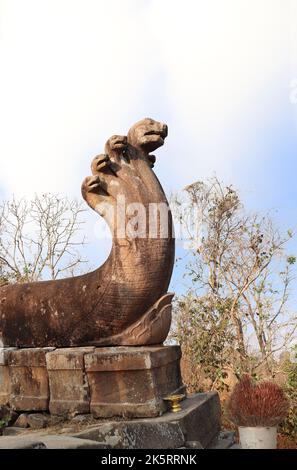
[174, 401]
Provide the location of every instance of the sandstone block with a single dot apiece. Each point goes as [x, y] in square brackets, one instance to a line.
[132, 381]
[69, 388]
[5, 375]
[29, 379]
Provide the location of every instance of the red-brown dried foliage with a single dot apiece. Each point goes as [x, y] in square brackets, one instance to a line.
[262, 404]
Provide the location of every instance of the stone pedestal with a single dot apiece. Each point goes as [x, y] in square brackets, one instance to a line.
[69, 389]
[28, 379]
[132, 381]
[121, 381]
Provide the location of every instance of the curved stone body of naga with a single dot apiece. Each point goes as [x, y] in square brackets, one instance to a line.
[124, 301]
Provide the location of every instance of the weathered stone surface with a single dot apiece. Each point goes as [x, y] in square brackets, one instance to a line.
[123, 302]
[55, 419]
[18, 442]
[132, 381]
[37, 441]
[224, 440]
[235, 446]
[193, 445]
[83, 419]
[29, 379]
[5, 383]
[12, 431]
[22, 421]
[137, 435]
[38, 420]
[202, 421]
[106, 382]
[198, 421]
[170, 431]
[69, 388]
[67, 442]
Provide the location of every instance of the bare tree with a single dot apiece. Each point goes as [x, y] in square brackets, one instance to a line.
[40, 239]
[238, 262]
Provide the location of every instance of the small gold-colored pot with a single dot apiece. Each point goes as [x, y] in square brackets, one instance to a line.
[174, 401]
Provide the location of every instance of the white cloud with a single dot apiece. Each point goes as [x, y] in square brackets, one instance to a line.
[75, 71]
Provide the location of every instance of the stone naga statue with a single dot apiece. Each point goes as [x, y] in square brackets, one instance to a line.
[125, 301]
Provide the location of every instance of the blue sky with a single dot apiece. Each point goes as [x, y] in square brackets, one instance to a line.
[219, 73]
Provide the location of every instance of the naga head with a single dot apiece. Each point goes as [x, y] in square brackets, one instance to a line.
[147, 134]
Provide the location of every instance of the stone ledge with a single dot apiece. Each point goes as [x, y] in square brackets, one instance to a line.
[194, 427]
[47, 442]
[199, 421]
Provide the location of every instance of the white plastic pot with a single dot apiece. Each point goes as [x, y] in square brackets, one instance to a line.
[257, 437]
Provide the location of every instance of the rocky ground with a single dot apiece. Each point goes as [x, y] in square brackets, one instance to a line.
[40, 430]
